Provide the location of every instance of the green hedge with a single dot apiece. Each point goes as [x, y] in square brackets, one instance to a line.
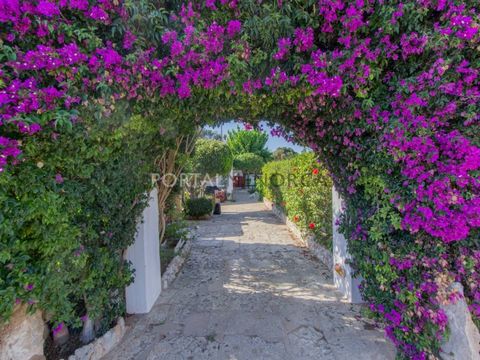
[68, 213]
[199, 207]
[303, 188]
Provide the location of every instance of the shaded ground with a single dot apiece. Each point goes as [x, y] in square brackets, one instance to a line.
[248, 291]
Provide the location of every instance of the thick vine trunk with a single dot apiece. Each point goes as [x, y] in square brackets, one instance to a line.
[168, 165]
[88, 330]
[162, 223]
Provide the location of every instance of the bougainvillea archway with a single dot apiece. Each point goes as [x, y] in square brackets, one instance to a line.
[386, 92]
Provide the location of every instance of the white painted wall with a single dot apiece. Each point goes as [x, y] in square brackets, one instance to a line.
[347, 285]
[250, 180]
[144, 254]
[230, 183]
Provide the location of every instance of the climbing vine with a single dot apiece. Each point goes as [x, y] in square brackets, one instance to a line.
[386, 93]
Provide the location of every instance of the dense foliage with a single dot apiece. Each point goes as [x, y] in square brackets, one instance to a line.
[68, 215]
[303, 188]
[75, 159]
[198, 207]
[249, 163]
[211, 157]
[386, 93]
[249, 141]
[283, 153]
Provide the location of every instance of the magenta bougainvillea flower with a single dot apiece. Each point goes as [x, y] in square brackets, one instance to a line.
[233, 27]
[59, 179]
[57, 329]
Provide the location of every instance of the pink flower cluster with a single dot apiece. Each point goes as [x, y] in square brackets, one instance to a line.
[431, 140]
[284, 46]
[441, 165]
[60, 72]
[304, 39]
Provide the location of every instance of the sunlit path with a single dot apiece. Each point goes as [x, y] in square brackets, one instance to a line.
[248, 291]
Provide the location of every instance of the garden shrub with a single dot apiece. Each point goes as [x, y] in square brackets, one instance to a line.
[211, 157]
[67, 219]
[198, 207]
[175, 232]
[303, 189]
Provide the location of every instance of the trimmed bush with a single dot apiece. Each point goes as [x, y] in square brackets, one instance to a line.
[302, 187]
[211, 157]
[198, 207]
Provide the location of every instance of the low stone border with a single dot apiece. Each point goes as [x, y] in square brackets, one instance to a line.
[182, 250]
[320, 252]
[23, 336]
[101, 346]
[464, 340]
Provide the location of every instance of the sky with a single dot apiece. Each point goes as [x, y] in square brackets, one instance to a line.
[273, 143]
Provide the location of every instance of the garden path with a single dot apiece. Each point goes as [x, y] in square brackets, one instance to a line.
[250, 291]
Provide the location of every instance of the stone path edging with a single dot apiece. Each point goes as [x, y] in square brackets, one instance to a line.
[320, 252]
[101, 346]
[183, 250]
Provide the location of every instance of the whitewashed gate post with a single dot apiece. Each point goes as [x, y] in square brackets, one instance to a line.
[342, 273]
[144, 254]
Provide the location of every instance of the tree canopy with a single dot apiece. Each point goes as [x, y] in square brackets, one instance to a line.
[210, 134]
[249, 163]
[283, 153]
[249, 141]
[211, 157]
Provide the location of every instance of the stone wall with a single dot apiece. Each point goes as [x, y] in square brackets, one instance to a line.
[23, 336]
[464, 340]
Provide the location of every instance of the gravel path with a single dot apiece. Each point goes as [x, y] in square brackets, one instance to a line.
[249, 291]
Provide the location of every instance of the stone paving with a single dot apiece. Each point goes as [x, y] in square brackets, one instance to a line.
[250, 291]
